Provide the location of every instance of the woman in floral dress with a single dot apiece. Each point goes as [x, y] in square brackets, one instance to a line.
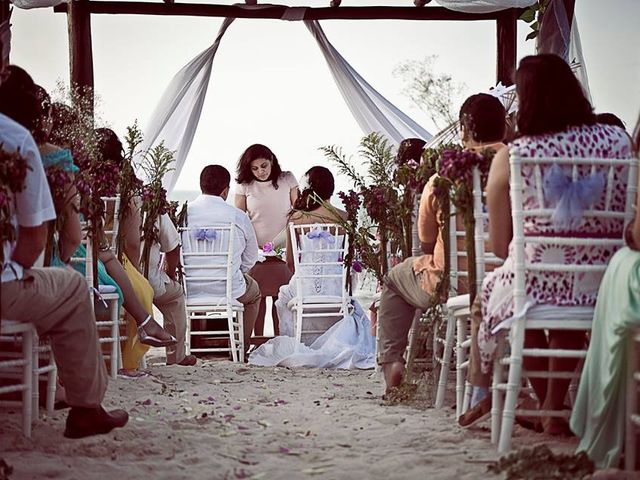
[555, 119]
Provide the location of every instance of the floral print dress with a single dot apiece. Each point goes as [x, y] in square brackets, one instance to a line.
[556, 288]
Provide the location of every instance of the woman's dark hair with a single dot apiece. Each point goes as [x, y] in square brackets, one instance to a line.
[255, 152]
[18, 99]
[410, 149]
[610, 119]
[321, 182]
[109, 145]
[484, 118]
[550, 97]
[40, 135]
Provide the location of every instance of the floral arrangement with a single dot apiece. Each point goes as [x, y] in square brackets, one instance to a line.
[13, 172]
[455, 184]
[272, 250]
[130, 185]
[61, 183]
[380, 208]
[74, 128]
[156, 163]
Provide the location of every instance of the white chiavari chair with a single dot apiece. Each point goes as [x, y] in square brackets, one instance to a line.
[546, 317]
[12, 331]
[320, 278]
[207, 258]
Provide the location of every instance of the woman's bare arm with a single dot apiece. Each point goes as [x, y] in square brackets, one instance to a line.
[499, 204]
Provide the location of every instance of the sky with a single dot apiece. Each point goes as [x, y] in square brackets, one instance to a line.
[271, 85]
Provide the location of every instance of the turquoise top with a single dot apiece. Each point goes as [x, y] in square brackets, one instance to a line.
[61, 158]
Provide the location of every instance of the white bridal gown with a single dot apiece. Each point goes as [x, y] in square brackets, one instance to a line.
[346, 344]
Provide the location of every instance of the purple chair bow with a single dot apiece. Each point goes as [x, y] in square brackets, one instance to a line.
[205, 234]
[322, 235]
[570, 197]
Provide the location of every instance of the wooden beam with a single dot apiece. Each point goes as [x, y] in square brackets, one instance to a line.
[5, 7]
[80, 51]
[507, 42]
[277, 11]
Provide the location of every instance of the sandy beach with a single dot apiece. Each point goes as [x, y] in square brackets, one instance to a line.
[220, 420]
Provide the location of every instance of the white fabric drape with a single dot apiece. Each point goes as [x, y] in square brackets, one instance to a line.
[26, 4]
[484, 6]
[176, 117]
[372, 111]
[558, 37]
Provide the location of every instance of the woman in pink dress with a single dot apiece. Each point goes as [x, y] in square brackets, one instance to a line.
[267, 194]
[555, 119]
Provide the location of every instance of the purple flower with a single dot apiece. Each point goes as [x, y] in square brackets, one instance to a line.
[356, 266]
[267, 247]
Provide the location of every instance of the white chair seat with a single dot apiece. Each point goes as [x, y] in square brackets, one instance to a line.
[213, 304]
[9, 327]
[315, 300]
[458, 302]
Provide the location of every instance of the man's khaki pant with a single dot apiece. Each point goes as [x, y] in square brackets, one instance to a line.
[251, 301]
[56, 301]
[172, 305]
[401, 295]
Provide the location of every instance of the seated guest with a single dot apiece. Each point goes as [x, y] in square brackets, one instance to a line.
[346, 343]
[127, 271]
[56, 301]
[317, 184]
[555, 119]
[168, 292]
[411, 284]
[210, 208]
[599, 412]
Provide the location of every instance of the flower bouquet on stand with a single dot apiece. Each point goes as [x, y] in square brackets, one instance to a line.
[156, 163]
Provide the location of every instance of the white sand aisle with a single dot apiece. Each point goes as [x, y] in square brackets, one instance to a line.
[221, 420]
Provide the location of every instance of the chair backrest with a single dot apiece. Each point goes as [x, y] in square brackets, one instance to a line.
[571, 174]
[318, 255]
[481, 231]
[112, 220]
[207, 258]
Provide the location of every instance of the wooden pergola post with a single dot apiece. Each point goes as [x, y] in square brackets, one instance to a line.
[80, 51]
[507, 44]
[5, 5]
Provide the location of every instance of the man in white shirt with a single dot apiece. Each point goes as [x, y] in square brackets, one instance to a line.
[56, 301]
[211, 208]
[168, 292]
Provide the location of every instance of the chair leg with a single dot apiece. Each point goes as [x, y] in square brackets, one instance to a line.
[188, 335]
[35, 377]
[497, 396]
[233, 346]
[52, 378]
[513, 386]
[446, 361]
[461, 357]
[115, 337]
[240, 344]
[27, 377]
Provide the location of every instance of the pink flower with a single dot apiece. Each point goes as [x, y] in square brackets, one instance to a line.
[267, 247]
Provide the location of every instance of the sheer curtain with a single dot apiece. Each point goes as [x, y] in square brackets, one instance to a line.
[176, 117]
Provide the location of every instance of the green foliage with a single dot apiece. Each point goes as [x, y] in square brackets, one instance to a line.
[156, 163]
[433, 92]
[533, 16]
[382, 205]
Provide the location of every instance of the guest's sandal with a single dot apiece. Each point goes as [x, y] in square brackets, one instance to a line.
[150, 340]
